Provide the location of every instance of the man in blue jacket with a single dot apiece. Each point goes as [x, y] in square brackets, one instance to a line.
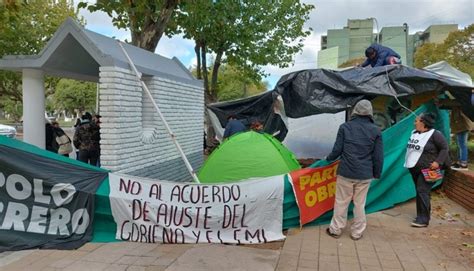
[378, 55]
[359, 146]
[233, 126]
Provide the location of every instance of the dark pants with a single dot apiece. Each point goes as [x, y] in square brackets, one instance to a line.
[423, 189]
[90, 157]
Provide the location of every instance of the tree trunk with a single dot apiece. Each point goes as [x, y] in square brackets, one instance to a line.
[209, 98]
[197, 50]
[215, 72]
[152, 31]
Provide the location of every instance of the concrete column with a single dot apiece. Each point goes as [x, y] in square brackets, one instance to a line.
[33, 107]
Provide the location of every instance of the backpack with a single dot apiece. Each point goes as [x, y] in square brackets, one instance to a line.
[64, 142]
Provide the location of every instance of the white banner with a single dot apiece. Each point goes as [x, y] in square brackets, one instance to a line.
[150, 211]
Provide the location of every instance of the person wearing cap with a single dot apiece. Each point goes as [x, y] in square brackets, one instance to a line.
[426, 148]
[379, 55]
[360, 149]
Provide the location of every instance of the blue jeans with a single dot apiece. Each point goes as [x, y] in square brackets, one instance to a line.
[461, 139]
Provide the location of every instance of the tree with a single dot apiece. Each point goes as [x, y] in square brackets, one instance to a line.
[244, 34]
[147, 20]
[71, 96]
[25, 27]
[457, 49]
[233, 84]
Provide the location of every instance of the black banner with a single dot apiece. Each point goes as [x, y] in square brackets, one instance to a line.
[44, 202]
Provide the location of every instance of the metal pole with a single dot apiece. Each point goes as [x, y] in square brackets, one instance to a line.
[172, 135]
[376, 26]
[405, 28]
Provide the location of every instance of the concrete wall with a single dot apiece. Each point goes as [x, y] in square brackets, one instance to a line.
[329, 58]
[339, 38]
[360, 36]
[133, 138]
[395, 38]
[438, 33]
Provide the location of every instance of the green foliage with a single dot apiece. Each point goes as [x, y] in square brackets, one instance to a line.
[147, 20]
[457, 50]
[233, 84]
[13, 108]
[72, 95]
[250, 34]
[25, 28]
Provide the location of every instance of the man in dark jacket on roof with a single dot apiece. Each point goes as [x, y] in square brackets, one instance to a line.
[378, 55]
[359, 146]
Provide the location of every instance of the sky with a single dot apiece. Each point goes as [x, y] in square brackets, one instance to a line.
[327, 14]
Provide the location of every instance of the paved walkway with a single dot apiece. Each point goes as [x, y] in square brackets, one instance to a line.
[388, 244]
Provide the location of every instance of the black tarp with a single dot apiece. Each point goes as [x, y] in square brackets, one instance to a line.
[316, 91]
[248, 110]
[44, 203]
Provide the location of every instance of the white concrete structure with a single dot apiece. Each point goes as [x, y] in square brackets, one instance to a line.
[33, 107]
[133, 139]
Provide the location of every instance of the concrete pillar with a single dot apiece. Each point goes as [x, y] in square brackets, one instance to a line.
[33, 107]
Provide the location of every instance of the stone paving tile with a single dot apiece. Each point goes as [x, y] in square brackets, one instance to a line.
[90, 246]
[102, 257]
[136, 268]
[89, 266]
[364, 267]
[62, 263]
[349, 260]
[156, 268]
[328, 266]
[388, 244]
[369, 261]
[127, 260]
[307, 263]
[349, 267]
[286, 267]
[116, 267]
[164, 261]
[145, 261]
[412, 266]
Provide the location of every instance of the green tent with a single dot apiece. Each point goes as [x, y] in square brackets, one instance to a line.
[247, 155]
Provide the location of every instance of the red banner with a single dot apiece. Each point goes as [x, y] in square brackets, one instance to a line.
[315, 190]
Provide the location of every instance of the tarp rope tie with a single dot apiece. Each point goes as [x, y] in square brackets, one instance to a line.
[395, 94]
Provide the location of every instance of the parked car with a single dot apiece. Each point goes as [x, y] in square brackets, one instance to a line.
[8, 131]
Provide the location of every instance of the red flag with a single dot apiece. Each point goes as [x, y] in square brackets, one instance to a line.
[315, 190]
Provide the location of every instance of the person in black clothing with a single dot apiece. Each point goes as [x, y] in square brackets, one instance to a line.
[76, 127]
[87, 139]
[51, 144]
[426, 148]
[96, 120]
